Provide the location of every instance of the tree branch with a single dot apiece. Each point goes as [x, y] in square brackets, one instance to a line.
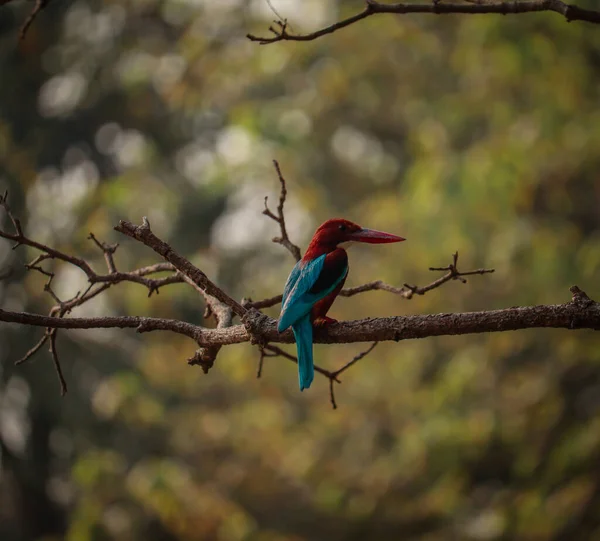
[58, 368]
[569, 11]
[284, 240]
[141, 324]
[257, 328]
[579, 313]
[138, 276]
[334, 375]
[145, 235]
[407, 291]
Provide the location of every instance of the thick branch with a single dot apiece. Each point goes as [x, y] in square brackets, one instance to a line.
[569, 11]
[141, 324]
[580, 313]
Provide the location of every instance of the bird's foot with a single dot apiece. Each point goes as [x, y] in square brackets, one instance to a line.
[324, 321]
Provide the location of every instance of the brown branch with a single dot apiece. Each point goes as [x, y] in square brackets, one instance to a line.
[141, 324]
[278, 352]
[138, 276]
[108, 250]
[407, 291]
[270, 350]
[34, 349]
[145, 235]
[263, 355]
[39, 6]
[569, 11]
[284, 240]
[59, 372]
[355, 359]
[20, 239]
[223, 315]
[350, 363]
[580, 313]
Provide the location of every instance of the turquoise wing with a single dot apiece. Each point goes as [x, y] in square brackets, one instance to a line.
[298, 299]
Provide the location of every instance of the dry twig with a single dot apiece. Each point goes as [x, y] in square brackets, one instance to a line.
[407, 291]
[284, 240]
[350, 363]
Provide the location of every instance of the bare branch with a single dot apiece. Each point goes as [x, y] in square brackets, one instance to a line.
[141, 324]
[265, 303]
[263, 355]
[34, 349]
[569, 11]
[284, 240]
[278, 352]
[350, 363]
[50, 253]
[580, 313]
[355, 359]
[406, 292]
[108, 250]
[39, 6]
[59, 372]
[114, 277]
[223, 314]
[145, 235]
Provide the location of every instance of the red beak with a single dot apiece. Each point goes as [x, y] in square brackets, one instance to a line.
[374, 237]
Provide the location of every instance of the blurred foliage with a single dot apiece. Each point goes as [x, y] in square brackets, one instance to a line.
[477, 134]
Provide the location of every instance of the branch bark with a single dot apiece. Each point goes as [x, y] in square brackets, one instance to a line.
[144, 234]
[570, 12]
[580, 313]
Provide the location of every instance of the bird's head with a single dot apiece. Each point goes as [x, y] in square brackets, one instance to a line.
[339, 231]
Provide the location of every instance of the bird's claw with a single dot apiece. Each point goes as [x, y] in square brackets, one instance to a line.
[324, 321]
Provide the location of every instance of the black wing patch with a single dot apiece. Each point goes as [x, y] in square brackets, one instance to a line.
[335, 266]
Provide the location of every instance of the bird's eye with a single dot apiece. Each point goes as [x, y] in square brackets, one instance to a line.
[342, 227]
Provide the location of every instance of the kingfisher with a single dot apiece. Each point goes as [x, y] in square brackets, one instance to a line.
[315, 282]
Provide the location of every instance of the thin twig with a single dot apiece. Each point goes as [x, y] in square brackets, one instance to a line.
[108, 250]
[284, 240]
[34, 349]
[261, 359]
[59, 372]
[39, 6]
[282, 353]
[356, 358]
[350, 363]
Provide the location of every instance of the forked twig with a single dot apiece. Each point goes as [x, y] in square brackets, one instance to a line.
[350, 363]
[284, 240]
[407, 291]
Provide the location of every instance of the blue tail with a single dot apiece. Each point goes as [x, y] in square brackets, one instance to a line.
[303, 332]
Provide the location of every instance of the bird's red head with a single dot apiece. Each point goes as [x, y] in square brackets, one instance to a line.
[338, 231]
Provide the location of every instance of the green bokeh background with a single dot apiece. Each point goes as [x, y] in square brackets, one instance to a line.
[478, 134]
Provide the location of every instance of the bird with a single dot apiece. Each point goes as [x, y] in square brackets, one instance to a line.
[315, 282]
